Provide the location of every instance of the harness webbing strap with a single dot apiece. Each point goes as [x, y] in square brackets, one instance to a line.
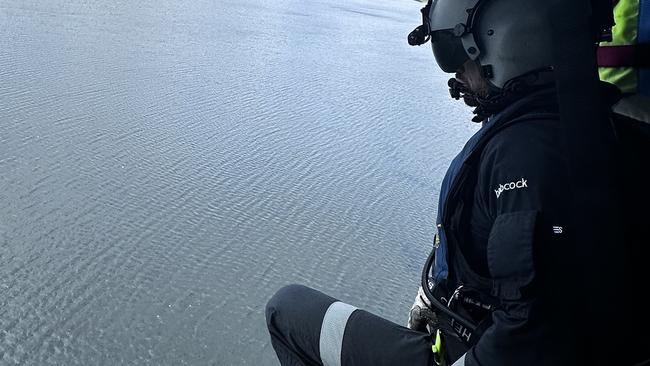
[637, 55]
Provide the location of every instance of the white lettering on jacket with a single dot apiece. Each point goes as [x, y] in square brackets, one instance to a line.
[522, 183]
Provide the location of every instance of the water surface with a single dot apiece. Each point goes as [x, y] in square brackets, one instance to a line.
[166, 166]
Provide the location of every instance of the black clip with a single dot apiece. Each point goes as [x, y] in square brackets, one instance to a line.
[422, 33]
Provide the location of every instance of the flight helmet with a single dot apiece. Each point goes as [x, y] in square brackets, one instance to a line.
[509, 39]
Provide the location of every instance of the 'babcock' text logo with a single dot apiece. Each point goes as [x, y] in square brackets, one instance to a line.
[522, 183]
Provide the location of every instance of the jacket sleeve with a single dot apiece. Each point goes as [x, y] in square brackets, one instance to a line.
[522, 188]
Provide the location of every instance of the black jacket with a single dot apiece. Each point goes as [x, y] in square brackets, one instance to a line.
[509, 230]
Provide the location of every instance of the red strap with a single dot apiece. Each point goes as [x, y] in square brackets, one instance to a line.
[624, 56]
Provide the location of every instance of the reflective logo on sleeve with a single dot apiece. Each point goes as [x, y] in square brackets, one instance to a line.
[522, 183]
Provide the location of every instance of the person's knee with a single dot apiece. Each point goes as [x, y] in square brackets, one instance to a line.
[285, 301]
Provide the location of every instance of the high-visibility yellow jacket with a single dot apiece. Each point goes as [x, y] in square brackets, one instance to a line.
[625, 61]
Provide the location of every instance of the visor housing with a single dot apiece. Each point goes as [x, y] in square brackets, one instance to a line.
[448, 22]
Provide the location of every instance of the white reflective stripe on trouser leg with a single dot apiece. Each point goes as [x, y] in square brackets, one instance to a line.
[331, 332]
[460, 361]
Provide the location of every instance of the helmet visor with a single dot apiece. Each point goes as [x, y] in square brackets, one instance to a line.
[448, 51]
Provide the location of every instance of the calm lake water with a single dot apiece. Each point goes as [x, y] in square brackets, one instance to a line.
[166, 166]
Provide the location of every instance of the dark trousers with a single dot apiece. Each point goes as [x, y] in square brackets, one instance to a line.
[310, 328]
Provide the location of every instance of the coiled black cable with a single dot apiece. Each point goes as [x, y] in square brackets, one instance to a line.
[435, 302]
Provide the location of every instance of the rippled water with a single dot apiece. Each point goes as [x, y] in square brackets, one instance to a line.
[165, 166]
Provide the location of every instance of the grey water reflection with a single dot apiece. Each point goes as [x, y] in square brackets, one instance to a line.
[165, 166]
